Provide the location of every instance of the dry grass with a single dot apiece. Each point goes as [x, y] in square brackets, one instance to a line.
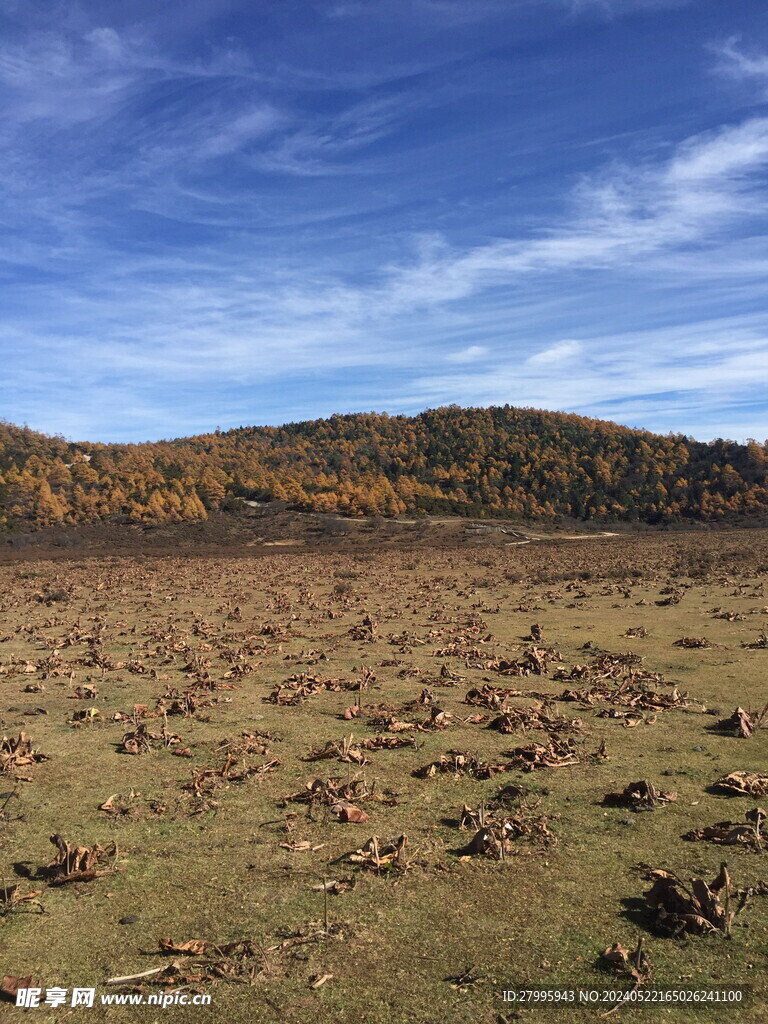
[207, 848]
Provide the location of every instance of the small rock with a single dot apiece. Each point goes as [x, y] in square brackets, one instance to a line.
[129, 919]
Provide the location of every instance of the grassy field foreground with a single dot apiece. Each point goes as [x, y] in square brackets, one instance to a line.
[138, 678]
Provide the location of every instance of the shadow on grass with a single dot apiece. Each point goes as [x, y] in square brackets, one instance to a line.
[715, 729]
[639, 913]
[24, 869]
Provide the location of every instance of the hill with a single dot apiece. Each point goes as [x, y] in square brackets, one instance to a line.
[500, 461]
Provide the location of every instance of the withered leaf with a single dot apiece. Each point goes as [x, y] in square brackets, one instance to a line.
[193, 947]
[350, 813]
[744, 782]
[10, 985]
[78, 863]
[697, 909]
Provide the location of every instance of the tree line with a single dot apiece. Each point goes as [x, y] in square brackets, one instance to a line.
[500, 461]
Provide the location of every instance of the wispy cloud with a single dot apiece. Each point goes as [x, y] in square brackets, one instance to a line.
[471, 354]
[622, 217]
[666, 378]
[555, 355]
[736, 62]
[279, 217]
[224, 323]
[614, 9]
[322, 148]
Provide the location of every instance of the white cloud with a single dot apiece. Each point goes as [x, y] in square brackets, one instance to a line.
[221, 319]
[721, 156]
[420, 309]
[242, 130]
[324, 145]
[668, 378]
[738, 64]
[471, 354]
[555, 355]
[108, 41]
[622, 218]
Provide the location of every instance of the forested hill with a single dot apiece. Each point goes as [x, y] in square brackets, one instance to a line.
[497, 462]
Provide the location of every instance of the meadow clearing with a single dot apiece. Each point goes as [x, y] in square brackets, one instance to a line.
[385, 785]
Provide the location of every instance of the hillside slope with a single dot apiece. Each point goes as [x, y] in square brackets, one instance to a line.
[500, 461]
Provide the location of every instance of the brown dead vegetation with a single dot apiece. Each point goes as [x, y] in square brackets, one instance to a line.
[761, 644]
[743, 783]
[639, 796]
[11, 898]
[694, 908]
[380, 857]
[341, 750]
[338, 795]
[498, 829]
[623, 696]
[206, 783]
[750, 833]
[78, 863]
[174, 661]
[556, 753]
[742, 723]
[11, 984]
[459, 762]
[541, 716]
[18, 753]
[492, 697]
[633, 965]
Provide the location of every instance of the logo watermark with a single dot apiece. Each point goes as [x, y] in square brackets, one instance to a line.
[30, 998]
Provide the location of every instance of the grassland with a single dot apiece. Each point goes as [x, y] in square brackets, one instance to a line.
[198, 650]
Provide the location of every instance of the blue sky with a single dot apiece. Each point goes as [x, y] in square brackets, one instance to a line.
[224, 213]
